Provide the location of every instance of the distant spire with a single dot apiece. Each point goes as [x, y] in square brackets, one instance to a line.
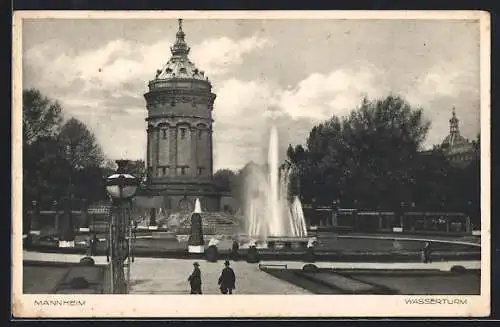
[454, 122]
[180, 49]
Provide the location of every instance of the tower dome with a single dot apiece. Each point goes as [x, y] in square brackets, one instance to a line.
[454, 138]
[179, 66]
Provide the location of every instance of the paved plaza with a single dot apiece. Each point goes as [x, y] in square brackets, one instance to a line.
[169, 276]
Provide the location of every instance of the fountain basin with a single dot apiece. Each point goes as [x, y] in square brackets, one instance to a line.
[275, 242]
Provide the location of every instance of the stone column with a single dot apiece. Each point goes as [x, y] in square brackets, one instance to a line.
[55, 207]
[355, 221]
[193, 162]
[34, 221]
[211, 154]
[67, 235]
[380, 222]
[27, 217]
[172, 133]
[468, 227]
[148, 150]
[156, 152]
[334, 219]
[152, 217]
[84, 219]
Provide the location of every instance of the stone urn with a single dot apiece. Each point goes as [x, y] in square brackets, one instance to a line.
[212, 253]
[253, 255]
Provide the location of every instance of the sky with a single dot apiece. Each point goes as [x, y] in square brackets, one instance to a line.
[305, 70]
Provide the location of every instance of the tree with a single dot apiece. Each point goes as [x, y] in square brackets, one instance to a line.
[367, 156]
[224, 179]
[42, 117]
[80, 144]
[432, 173]
[137, 168]
[382, 139]
[41, 181]
[58, 159]
[41, 152]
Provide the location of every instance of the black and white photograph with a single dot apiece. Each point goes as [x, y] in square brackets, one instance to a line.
[230, 153]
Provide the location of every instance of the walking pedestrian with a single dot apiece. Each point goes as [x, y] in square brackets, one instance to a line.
[227, 279]
[426, 253]
[195, 279]
[92, 244]
[234, 250]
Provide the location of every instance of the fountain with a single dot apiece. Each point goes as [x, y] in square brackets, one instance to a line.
[270, 216]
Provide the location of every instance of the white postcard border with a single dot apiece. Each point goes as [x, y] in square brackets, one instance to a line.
[50, 305]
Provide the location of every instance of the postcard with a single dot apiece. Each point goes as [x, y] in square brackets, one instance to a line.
[251, 164]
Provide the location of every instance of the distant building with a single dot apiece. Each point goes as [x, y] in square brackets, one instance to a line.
[457, 149]
[179, 134]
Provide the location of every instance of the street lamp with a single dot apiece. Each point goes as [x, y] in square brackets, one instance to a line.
[121, 187]
[335, 211]
[67, 234]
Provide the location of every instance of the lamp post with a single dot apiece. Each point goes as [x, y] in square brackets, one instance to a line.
[67, 234]
[468, 216]
[402, 215]
[335, 212]
[121, 187]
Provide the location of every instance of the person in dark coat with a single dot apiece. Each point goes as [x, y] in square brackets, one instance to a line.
[227, 279]
[426, 253]
[92, 244]
[234, 250]
[195, 279]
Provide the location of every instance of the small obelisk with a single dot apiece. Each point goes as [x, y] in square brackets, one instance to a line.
[196, 244]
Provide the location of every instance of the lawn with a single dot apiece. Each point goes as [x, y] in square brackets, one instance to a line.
[54, 278]
[386, 282]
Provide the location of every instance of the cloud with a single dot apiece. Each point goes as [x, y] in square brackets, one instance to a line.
[104, 87]
[122, 62]
[218, 55]
[320, 95]
[241, 106]
[244, 109]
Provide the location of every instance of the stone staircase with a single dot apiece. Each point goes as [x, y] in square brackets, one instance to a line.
[219, 223]
[99, 217]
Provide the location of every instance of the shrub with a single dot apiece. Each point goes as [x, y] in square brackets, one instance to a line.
[79, 283]
[309, 255]
[310, 268]
[212, 254]
[87, 261]
[458, 269]
[253, 255]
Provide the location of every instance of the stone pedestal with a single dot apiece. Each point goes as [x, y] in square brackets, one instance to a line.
[196, 243]
[67, 233]
[67, 244]
[84, 219]
[34, 221]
